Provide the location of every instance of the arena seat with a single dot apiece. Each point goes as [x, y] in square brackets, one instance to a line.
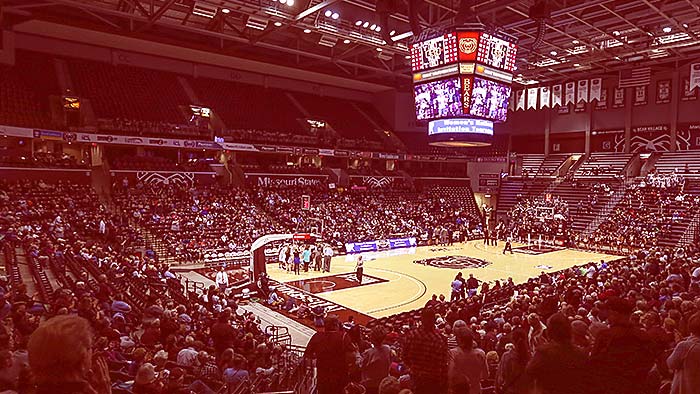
[25, 89]
[686, 163]
[603, 165]
[248, 107]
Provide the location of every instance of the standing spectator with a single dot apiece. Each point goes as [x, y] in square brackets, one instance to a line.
[425, 353]
[622, 355]
[685, 361]
[222, 334]
[296, 261]
[557, 367]
[535, 336]
[472, 285]
[222, 279]
[329, 348]
[359, 268]
[306, 258]
[327, 255]
[467, 364]
[511, 377]
[376, 361]
[456, 288]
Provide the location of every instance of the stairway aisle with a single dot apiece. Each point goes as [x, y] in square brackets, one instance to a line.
[24, 271]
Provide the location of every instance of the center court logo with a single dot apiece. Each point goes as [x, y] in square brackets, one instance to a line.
[454, 262]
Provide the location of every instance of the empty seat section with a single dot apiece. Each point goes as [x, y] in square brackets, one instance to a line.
[129, 92]
[244, 106]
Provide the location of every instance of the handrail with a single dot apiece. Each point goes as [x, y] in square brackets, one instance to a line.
[691, 232]
[619, 194]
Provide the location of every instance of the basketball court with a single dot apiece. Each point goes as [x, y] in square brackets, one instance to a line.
[405, 279]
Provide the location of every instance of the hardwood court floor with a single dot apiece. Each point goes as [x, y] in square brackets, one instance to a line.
[410, 285]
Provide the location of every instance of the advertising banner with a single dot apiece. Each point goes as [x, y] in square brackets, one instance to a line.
[384, 244]
[284, 180]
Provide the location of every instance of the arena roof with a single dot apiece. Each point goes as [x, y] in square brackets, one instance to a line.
[580, 38]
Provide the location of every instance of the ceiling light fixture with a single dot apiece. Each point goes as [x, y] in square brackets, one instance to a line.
[402, 36]
[373, 27]
[379, 49]
[576, 65]
[335, 15]
[225, 10]
[358, 23]
[616, 33]
[667, 29]
[553, 53]
[346, 41]
[379, 28]
[365, 25]
[575, 42]
[278, 24]
[307, 31]
[328, 13]
[391, 33]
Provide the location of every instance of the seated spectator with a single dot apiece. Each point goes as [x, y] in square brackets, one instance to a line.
[274, 300]
[61, 358]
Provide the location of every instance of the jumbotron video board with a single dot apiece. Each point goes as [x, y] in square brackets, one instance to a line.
[477, 64]
[435, 52]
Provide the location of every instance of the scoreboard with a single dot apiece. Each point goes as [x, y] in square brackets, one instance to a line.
[496, 52]
[436, 52]
[463, 74]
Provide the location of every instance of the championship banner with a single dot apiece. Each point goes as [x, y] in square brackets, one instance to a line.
[640, 96]
[663, 91]
[694, 76]
[511, 102]
[544, 97]
[570, 93]
[582, 91]
[532, 98]
[520, 100]
[689, 95]
[596, 88]
[556, 95]
[618, 98]
[602, 103]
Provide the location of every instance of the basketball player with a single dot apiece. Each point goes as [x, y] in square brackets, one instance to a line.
[508, 247]
[283, 257]
[359, 268]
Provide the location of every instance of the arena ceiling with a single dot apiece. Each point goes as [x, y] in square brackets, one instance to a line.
[558, 39]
